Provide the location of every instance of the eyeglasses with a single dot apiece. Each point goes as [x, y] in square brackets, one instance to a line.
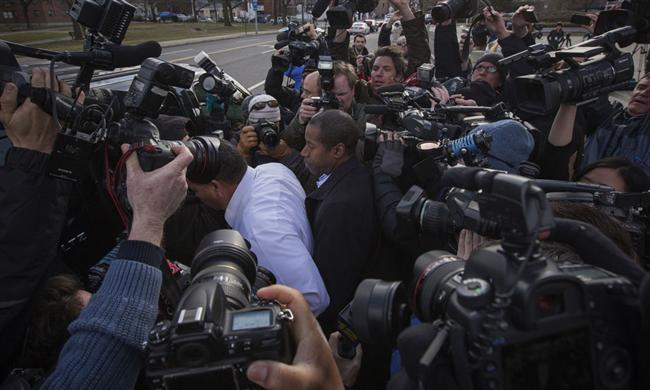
[261, 105]
[489, 69]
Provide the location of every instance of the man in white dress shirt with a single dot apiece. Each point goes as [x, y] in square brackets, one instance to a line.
[267, 206]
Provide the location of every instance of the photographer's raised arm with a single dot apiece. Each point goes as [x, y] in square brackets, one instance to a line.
[104, 350]
[559, 148]
[446, 50]
[417, 38]
[33, 207]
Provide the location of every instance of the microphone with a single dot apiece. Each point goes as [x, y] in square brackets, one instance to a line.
[280, 45]
[319, 8]
[114, 56]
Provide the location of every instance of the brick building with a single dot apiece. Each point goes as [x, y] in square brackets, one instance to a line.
[39, 11]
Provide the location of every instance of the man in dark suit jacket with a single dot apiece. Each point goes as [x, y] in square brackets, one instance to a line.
[341, 210]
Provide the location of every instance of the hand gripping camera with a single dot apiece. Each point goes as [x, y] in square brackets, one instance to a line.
[219, 328]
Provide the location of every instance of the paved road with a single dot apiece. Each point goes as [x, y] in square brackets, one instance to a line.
[246, 59]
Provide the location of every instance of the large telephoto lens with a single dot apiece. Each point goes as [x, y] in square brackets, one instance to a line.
[224, 258]
[436, 275]
[205, 165]
[379, 311]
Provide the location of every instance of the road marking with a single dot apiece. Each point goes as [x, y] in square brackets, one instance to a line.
[176, 51]
[222, 51]
[267, 51]
[254, 86]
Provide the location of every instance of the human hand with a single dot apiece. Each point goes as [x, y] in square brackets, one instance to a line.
[441, 94]
[391, 148]
[247, 140]
[519, 23]
[306, 111]
[27, 125]
[592, 25]
[154, 196]
[394, 18]
[278, 152]
[310, 30]
[468, 242]
[359, 60]
[404, 8]
[460, 100]
[348, 368]
[494, 22]
[313, 366]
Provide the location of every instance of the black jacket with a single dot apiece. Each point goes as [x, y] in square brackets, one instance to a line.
[342, 217]
[446, 52]
[33, 207]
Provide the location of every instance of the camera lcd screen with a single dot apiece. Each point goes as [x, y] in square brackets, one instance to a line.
[560, 361]
[251, 320]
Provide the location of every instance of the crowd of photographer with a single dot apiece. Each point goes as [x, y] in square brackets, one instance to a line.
[486, 216]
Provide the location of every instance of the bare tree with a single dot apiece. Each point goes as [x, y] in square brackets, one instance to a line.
[24, 4]
[227, 13]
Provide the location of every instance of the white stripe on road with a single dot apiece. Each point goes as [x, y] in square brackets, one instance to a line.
[176, 51]
[254, 86]
[222, 51]
[267, 51]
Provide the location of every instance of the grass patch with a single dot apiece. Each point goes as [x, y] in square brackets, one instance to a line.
[141, 32]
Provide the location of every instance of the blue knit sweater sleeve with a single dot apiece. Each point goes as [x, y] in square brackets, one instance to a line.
[105, 349]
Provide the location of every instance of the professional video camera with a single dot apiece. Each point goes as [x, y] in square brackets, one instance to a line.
[220, 326]
[301, 47]
[341, 16]
[508, 317]
[581, 83]
[635, 13]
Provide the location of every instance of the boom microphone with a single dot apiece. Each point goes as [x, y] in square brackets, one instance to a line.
[113, 56]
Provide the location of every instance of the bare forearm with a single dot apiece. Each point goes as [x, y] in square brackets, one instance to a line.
[562, 130]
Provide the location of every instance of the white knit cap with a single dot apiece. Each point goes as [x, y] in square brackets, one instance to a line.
[270, 114]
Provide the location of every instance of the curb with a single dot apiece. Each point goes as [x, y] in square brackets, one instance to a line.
[180, 42]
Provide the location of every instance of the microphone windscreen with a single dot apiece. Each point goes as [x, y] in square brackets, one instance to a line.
[319, 8]
[134, 55]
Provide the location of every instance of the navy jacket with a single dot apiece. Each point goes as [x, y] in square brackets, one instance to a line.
[342, 217]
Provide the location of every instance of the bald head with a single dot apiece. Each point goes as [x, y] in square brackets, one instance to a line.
[311, 85]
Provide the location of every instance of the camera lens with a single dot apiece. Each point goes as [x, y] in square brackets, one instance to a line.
[436, 275]
[270, 137]
[223, 256]
[264, 278]
[379, 311]
[205, 165]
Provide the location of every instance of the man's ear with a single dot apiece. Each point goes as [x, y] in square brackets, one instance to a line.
[338, 151]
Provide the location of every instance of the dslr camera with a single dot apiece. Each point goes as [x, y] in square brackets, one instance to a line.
[268, 133]
[219, 327]
[509, 318]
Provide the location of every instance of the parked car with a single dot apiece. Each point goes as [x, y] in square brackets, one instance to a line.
[183, 17]
[359, 28]
[372, 24]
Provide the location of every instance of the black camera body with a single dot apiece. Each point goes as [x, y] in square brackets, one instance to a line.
[454, 9]
[218, 328]
[508, 317]
[301, 47]
[268, 133]
[541, 93]
[110, 18]
[563, 326]
[216, 346]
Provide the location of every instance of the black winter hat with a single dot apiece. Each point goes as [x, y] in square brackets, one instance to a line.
[493, 58]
